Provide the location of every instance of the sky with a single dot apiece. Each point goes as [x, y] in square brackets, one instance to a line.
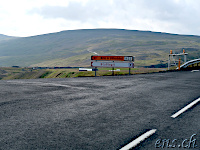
[35, 17]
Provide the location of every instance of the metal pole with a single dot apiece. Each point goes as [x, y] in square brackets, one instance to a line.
[169, 62]
[185, 58]
[129, 71]
[95, 71]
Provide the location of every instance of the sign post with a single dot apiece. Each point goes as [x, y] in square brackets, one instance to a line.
[95, 71]
[112, 62]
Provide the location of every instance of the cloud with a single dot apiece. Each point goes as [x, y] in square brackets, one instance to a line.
[76, 10]
[179, 15]
[39, 17]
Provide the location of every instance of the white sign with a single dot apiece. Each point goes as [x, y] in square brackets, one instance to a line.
[128, 58]
[84, 69]
[112, 64]
[115, 70]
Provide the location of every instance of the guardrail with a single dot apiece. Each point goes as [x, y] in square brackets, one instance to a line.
[191, 62]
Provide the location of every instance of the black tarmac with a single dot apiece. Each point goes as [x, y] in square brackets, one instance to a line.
[100, 113]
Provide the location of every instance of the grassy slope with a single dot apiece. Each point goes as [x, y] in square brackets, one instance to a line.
[7, 73]
[70, 48]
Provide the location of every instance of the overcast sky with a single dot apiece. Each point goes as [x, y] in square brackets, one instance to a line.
[35, 17]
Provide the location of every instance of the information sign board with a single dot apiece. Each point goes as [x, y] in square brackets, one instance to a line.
[113, 58]
[112, 64]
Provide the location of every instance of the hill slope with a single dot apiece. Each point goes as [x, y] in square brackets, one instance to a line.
[74, 48]
[5, 37]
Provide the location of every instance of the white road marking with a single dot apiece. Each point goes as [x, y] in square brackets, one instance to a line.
[54, 84]
[185, 108]
[194, 70]
[138, 140]
[17, 82]
[44, 84]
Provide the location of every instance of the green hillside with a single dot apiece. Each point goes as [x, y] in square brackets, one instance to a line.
[74, 48]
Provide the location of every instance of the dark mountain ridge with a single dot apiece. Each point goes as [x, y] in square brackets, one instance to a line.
[5, 37]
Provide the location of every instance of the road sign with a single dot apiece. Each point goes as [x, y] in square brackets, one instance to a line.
[113, 58]
[112, 64]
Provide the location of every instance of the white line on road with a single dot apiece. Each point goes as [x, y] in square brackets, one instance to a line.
[45, 84]
[54, 84]
[138, 140]
[185, 108]
[195, 71]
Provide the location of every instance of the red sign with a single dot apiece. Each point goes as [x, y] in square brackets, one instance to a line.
[113, 58]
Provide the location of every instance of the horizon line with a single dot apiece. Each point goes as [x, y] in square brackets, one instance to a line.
[102, 29]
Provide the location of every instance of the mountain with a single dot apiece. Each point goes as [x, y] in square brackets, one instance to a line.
[75, 47]
[5, 37]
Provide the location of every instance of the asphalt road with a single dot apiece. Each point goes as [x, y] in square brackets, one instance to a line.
[100, 113]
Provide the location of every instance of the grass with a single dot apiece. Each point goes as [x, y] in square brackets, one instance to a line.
[45, 74]
[8, 73]
[28, 73]
[70, 48]
[78, 60]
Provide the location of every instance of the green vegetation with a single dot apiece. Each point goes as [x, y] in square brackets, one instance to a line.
[74, 48]
[45, 74]
[70, 74]
[8, 73]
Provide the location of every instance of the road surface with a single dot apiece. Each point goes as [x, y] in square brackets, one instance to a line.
[102, 113]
